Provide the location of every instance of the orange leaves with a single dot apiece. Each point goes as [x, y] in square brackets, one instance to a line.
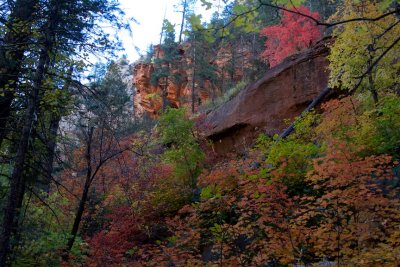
[347, 212]
[339, 115]
[225, 178]
[355, 201]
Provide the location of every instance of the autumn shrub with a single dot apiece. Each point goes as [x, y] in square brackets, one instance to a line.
[111, 245]
[357, 210]
[349, 217]
[374, 128]
[339, 117]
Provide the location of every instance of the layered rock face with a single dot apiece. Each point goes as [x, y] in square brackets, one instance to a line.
[178, 93]
[283, 93]
[149, 97]
[145, 96]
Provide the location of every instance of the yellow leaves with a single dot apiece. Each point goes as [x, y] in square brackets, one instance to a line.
[290, 3]
[358, 44]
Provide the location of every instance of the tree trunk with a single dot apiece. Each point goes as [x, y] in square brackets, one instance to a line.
[194, 73]
[82, 202]
[164, 94]
[11, 56]
[17, 183]
[183, 21]
[52, 138]
[372, 88]
[315, 102]
[51, 150]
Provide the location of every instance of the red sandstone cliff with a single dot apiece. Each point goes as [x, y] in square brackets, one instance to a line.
[283, 93]
[148, 97]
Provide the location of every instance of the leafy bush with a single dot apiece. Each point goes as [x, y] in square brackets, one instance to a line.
[291, 158]
[293, 34]
[183, 152]
[379, 128]
[43, 246]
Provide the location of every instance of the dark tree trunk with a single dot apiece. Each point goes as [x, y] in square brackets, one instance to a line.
[313, 104]
[82, 202]
[51, 150]
[194, 74]
[373, 89]
[17, 183]
[164, 94]
[11, 56]
[183, 21]
[52, 137]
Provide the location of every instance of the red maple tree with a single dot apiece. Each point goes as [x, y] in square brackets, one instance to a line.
[294, 33]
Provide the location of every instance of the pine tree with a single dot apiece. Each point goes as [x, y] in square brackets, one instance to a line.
[58, 27]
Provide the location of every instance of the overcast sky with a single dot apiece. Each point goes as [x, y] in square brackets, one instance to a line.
[150, 14]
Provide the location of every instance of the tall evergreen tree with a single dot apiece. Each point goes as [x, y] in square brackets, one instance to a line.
[17, 29]
[60, 32]
[165, 62]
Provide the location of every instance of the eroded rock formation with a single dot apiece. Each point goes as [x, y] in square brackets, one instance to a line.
[145, 98]
[263, 106]
[148, 97]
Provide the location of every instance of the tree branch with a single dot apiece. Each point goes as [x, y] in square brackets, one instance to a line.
[321, 23]
[379, 58]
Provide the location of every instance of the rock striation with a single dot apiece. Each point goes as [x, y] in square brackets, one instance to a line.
[177, 92]
[264, 106]
[148, 97]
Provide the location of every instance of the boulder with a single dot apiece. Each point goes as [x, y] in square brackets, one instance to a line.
[266, 105]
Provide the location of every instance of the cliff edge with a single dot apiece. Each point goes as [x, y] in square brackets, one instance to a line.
[265, 105]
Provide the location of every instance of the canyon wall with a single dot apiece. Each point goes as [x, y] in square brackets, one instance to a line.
[264, 106]
[178, 92]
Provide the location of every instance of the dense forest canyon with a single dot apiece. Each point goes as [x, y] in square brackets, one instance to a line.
[266, 135]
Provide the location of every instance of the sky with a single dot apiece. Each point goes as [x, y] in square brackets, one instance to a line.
[149, 14]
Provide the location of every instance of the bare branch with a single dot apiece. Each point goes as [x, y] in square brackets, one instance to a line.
[322, 23]
[47, 205]
[379, 58]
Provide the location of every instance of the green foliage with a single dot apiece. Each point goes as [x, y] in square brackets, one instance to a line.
[378, 129]
[184, 152]
[168, 26]
[45, 233]
[263, 143]
[58, 102]
[304, 126]
[358, 45]
[170, 55]
[210, 191]
[175, 128]
[207, 4]
[111, 102]
[169, 196]
[292, 3]
[291, 158]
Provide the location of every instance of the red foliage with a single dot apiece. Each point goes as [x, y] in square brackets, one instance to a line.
[109, 247]
[294, 33]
